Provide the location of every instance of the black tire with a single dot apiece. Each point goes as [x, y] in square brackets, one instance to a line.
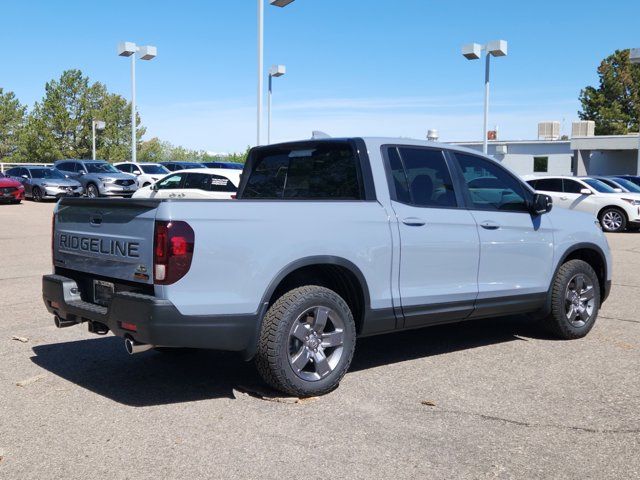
[92, 191]
[36, 194]
[613, 219]
[558, 321]
[276, 344]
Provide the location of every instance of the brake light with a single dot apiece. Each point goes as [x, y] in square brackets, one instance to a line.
[172, 251]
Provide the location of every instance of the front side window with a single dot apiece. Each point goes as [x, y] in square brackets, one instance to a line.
[170, 182]
[50, 173]
[549, 184]
[571, 186]
[490, 186]
[325, 171]
[154, 169]
[67, 166]
[124, 168]
[421, 177]
[13, 172]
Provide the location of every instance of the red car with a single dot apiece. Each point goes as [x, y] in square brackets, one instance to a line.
[11, 191]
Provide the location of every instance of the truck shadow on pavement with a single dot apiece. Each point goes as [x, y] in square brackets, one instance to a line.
[102, 366]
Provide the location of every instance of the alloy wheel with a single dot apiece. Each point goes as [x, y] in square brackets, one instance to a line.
[316, 343]
[579, 300]
[92, 191]
[612, 220]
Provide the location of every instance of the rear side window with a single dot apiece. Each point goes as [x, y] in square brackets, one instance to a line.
[549, 184]
[421, 177]
[218, 183]
[490, 186]
[325, 171]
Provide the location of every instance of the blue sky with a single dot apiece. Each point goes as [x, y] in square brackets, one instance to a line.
[354, 67]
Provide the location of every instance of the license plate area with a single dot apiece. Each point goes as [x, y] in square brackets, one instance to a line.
[102, 292]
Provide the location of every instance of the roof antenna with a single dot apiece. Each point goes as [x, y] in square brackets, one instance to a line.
[317, 135]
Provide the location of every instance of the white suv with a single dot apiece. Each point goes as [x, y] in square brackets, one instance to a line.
[615, 210]
[147, 173]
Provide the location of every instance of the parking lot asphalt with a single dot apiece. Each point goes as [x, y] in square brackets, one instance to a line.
[496, 398]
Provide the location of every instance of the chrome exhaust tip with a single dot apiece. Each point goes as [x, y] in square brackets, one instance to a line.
[132, 347]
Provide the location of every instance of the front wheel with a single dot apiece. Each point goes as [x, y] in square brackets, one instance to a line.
[575, 300]
[36, 194]
[92, 191]
[307, 342]
[613, 220]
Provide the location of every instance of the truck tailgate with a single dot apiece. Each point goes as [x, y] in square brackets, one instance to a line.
[106, 237]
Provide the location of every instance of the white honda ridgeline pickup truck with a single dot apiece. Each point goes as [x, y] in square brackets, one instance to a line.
[328, 240]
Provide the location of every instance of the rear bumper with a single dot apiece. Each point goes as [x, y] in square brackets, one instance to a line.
[158, 322]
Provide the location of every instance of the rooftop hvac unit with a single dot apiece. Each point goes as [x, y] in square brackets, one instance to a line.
[548, 130]
[584, 128]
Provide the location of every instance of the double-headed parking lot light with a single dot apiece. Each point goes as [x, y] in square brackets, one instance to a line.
[95, 125]
[147, 52]
[473, 51]
[274, 71]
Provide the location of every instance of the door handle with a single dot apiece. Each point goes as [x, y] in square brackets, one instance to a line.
[488, 225]
[564, 198]
[413, 221]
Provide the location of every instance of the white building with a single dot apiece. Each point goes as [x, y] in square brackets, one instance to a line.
[580, 155]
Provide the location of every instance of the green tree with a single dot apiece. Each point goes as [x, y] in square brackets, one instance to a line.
[60, 125]
[615, 104]
[12, 120]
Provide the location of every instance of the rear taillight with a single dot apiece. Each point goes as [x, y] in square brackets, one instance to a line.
[172, 251]
[53, 234]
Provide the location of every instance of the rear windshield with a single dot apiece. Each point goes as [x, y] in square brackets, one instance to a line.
[326, 171]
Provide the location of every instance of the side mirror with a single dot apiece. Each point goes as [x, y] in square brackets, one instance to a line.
[82, 172]
[137, 172]
[26, 177]
[585, 191]
[541, 204]
[154, 187]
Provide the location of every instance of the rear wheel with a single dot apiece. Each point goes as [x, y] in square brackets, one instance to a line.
[92, 191]
[36, 194]
[575, 300]
[613, 220]
[307, 341]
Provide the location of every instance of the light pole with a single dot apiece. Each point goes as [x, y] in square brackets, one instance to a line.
[276, 3]
[634, 57]
[148, 52]
[274, 71]
[95, 125]
[473, 51]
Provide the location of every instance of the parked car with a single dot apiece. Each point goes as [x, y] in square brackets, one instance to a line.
[11, 191]
[631, 178]
[329, 240]
[175, 166]
[615, 210]
[214, 183]
[147, 173]
[99, 178]
[42, 183]
[230, 165]
[619, 184]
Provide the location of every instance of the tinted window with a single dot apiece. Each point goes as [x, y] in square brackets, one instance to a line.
[46, 173]
[100, 167]
[172, 181]
[219, 183]
[425, 175]
[124, 168]
[324, 171]
[13, 172]
[571, 186]
[400, 182]
[154, 169]
[632, 187]
[549, 184]
[598, 186]
[490, 186]
[67, 166]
